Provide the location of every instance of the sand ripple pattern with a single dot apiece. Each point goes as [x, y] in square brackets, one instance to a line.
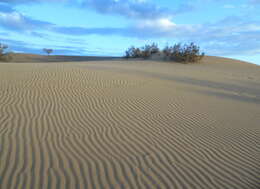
[62, 126]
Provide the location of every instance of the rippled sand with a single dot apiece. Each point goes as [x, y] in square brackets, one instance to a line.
[130, 124]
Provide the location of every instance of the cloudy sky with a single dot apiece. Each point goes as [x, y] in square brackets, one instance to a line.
[229, 28]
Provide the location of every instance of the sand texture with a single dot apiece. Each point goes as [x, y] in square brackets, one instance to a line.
[130, 124]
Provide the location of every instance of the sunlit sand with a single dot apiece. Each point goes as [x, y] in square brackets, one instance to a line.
[129, 124]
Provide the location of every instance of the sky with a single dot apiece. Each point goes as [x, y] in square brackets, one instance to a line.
[227, 28]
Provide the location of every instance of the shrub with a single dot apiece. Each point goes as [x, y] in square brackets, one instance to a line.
[48, 51]
[178, 52]
[4, 56]
[149, 50]
[146, 51]
[143, 52]
[183, 53]
[133, 52]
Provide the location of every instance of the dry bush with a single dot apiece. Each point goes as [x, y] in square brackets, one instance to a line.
[183, 53]
[143, 52]
[187, 53]
[4, 56]
[133, 52]
[48, 51]
[149, 50]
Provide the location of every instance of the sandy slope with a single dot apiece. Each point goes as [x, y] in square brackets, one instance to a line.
[130, 125]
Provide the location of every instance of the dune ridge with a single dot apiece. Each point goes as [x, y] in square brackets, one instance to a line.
[129, 125]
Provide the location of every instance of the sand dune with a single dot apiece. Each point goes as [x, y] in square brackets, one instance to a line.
[130, 124]
[33, 58]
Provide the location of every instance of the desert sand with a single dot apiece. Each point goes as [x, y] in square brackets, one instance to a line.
[130, 124]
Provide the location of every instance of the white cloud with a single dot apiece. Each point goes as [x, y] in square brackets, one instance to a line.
[16, 21]
[13, 19]
[228, 6]
[135, 9]
[159, 24]
[29, 1]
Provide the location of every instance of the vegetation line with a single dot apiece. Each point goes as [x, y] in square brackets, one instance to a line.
[187, 53]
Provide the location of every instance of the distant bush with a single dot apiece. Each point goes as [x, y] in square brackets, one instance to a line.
[149, 50]
[143, 52]
[48, 51]
[183, 53]
[180, 53]
[133, 52]
[4, 56]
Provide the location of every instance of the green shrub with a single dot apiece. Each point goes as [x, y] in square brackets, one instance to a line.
[149, 50]
[180, 53]
[143, 52]
[183, 53]
[133, 52]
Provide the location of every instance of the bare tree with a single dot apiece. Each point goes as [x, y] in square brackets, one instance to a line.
[48, 51]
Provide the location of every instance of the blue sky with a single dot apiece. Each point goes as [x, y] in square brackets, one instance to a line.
[229, 28]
